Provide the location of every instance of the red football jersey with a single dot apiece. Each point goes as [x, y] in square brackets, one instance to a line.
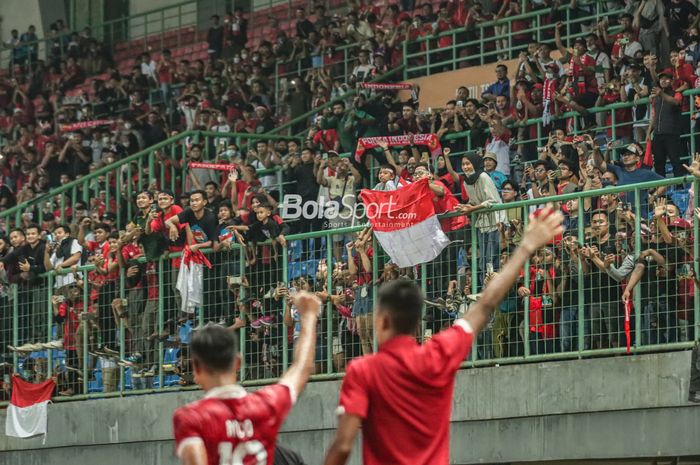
[403, 394]
[236, 427]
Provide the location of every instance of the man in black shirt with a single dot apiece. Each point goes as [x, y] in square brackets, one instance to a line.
[202, 232]
[215, 38]
[602, 292]
[201, 223]
[304, 26]
[28, 260]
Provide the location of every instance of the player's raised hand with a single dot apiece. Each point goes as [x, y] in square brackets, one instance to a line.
[307, 304]
[544, 225]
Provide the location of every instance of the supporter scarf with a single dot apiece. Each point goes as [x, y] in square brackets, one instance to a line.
[211, 166]
[547, 93]
[84, 124]
[386, 86]
[429, 140]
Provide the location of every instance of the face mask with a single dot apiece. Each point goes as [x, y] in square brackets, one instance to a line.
[256, 58]
[127, 126]
[592, 49]
[236, 60]
[549, 75]
[244, 55]
[519, 105]
[105, 140]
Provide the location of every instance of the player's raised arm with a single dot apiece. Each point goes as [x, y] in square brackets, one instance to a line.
[308, 306]
[542, 228]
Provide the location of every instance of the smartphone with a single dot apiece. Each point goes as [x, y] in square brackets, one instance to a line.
[489, 268]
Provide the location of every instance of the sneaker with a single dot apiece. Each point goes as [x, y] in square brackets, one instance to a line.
[125, 363]
[694, 397]
[73, 369]
[109, 351]
[267, 320]
[474, 297]
[58, 345]
[169, 368]
[269, 294]
[255, 324]
[439, 302]
[149, 373]
[137, 374]
[67, 392]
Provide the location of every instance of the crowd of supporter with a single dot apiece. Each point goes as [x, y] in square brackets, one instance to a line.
[491, 154]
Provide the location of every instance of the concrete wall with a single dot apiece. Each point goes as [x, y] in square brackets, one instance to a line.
[20, 14]
[622, 407]
[169, 19]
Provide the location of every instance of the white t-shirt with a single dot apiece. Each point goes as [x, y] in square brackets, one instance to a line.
[65, 279]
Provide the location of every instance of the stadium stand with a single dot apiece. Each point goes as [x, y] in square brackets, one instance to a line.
[595, 113]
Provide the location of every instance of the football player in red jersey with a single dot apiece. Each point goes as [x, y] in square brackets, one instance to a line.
[230, 426]
[401, 396]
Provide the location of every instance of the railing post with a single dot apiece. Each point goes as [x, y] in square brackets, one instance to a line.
[122, 371]
[526, 306]
[161, 322]
[581, 339]
[15, 324]
[243, 338]
[329, 304]
[475, 276]
[696, 253]
[690, 129]
[375, 273]
[85, 325]
[49, 322]
[404, 46]
[637, 250]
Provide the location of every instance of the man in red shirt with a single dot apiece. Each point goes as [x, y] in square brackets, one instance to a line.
[230, 425]
[381, 393]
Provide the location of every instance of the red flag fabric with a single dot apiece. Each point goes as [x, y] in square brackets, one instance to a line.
[628, 334]
[648, 156]
[429, 140]
[405, 224]
[27, 412]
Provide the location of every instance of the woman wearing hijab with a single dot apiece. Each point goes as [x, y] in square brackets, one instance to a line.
[481, 193]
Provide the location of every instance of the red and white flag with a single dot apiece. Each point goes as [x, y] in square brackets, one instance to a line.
[405, 223]
[26, 414]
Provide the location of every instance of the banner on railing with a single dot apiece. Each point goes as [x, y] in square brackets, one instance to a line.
[429, 140]
[85, 125]
[212, 166]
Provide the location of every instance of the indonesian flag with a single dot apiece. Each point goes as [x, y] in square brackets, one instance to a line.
[190, 279]
[26, 414]
[405, 223]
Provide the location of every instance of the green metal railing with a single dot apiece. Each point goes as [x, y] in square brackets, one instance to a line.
[478, 45]
[658, 323]
[162, 166]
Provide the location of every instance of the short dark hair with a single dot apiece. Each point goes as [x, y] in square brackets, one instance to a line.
[19, 230]
[387, 166]
[212, 183]
[403, 302]
[33, 226]
[214, 347]
[65, 228]
[147, 192]
[198, 191]
[104, 226]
